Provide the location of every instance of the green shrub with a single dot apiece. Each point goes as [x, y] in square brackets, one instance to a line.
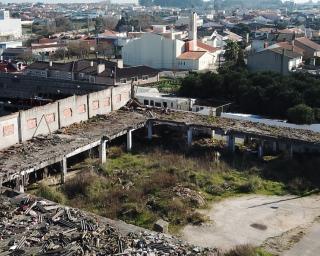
[299, 185]
[253, 184]
[115, 152]
[51, 194]
[214, 190]
[300, 114]
[242, 250]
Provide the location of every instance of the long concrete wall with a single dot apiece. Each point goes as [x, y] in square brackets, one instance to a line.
[25, 125]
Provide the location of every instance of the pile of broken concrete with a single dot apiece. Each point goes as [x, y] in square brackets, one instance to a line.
[34, 226]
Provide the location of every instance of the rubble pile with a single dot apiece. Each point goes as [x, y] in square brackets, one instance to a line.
[34, 226]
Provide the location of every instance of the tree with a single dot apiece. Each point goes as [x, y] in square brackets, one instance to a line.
[63, 24]
[300, 114]
[231, 51]
[26, 57]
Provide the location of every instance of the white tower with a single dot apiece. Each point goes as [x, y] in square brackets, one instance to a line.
[193, 31]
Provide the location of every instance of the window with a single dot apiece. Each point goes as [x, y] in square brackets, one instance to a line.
[145, 77]
[82, 108]
[50, 118]
[118, 98]
[95, 104]
[151, 103]
[8, 130]
[165, 104]
[123, 81]
[107, 102]
[158, 104]
[171, 104]
[32, 123]
[67, 112]
[146, 102]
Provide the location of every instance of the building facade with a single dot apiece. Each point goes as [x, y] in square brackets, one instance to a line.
[9, 27]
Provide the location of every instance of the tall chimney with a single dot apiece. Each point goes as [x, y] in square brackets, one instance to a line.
[193, 31]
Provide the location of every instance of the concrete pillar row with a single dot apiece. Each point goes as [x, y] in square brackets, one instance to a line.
[189, 137]
[129, 140]
[149, 126]
[260, 149]
[63, 170]
[103, 151]
[231, 143]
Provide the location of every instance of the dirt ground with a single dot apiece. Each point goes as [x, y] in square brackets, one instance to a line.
[255, 219]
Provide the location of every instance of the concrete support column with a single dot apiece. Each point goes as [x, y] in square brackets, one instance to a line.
[129, 140]
[260, 149]
[275, 146]
[290, 151]
[231, 143]
[63, 170]
[45, 172]
[103, 151]
[1, 181]
[20, 184]
[189, 137]
[213, 133]
[149, 131]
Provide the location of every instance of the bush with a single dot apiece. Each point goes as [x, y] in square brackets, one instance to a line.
[300, 114]
[51, 194]
[80, 183]
[215, 190]
[115, 152]
[299, 185]
[252, 185]
[242, 250]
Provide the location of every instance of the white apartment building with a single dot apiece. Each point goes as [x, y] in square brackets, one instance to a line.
[167, 50]
[9, 26]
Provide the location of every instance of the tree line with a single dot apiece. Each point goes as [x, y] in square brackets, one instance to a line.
[295, 97]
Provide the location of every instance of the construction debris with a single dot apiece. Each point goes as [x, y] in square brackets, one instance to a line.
[34, 226]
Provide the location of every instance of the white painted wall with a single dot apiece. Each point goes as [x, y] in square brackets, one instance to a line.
[10, 27]
[153, 50]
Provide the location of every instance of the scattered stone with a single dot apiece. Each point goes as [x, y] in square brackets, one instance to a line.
[161, 226]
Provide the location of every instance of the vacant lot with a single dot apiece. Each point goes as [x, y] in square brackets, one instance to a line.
[253, 219]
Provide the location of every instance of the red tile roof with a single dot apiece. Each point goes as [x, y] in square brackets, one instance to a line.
[206, 47]
[194, 55]
[288, 46]
[307, 42]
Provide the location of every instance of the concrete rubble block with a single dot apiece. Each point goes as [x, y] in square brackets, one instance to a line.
[161, 226]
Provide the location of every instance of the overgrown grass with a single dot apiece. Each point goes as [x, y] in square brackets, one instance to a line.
[51, 193]
[246, 250]
[141, 187]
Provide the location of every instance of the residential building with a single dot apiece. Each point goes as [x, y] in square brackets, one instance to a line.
[310, 48]
[276, 59]
[94, 71]
[9, 27]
